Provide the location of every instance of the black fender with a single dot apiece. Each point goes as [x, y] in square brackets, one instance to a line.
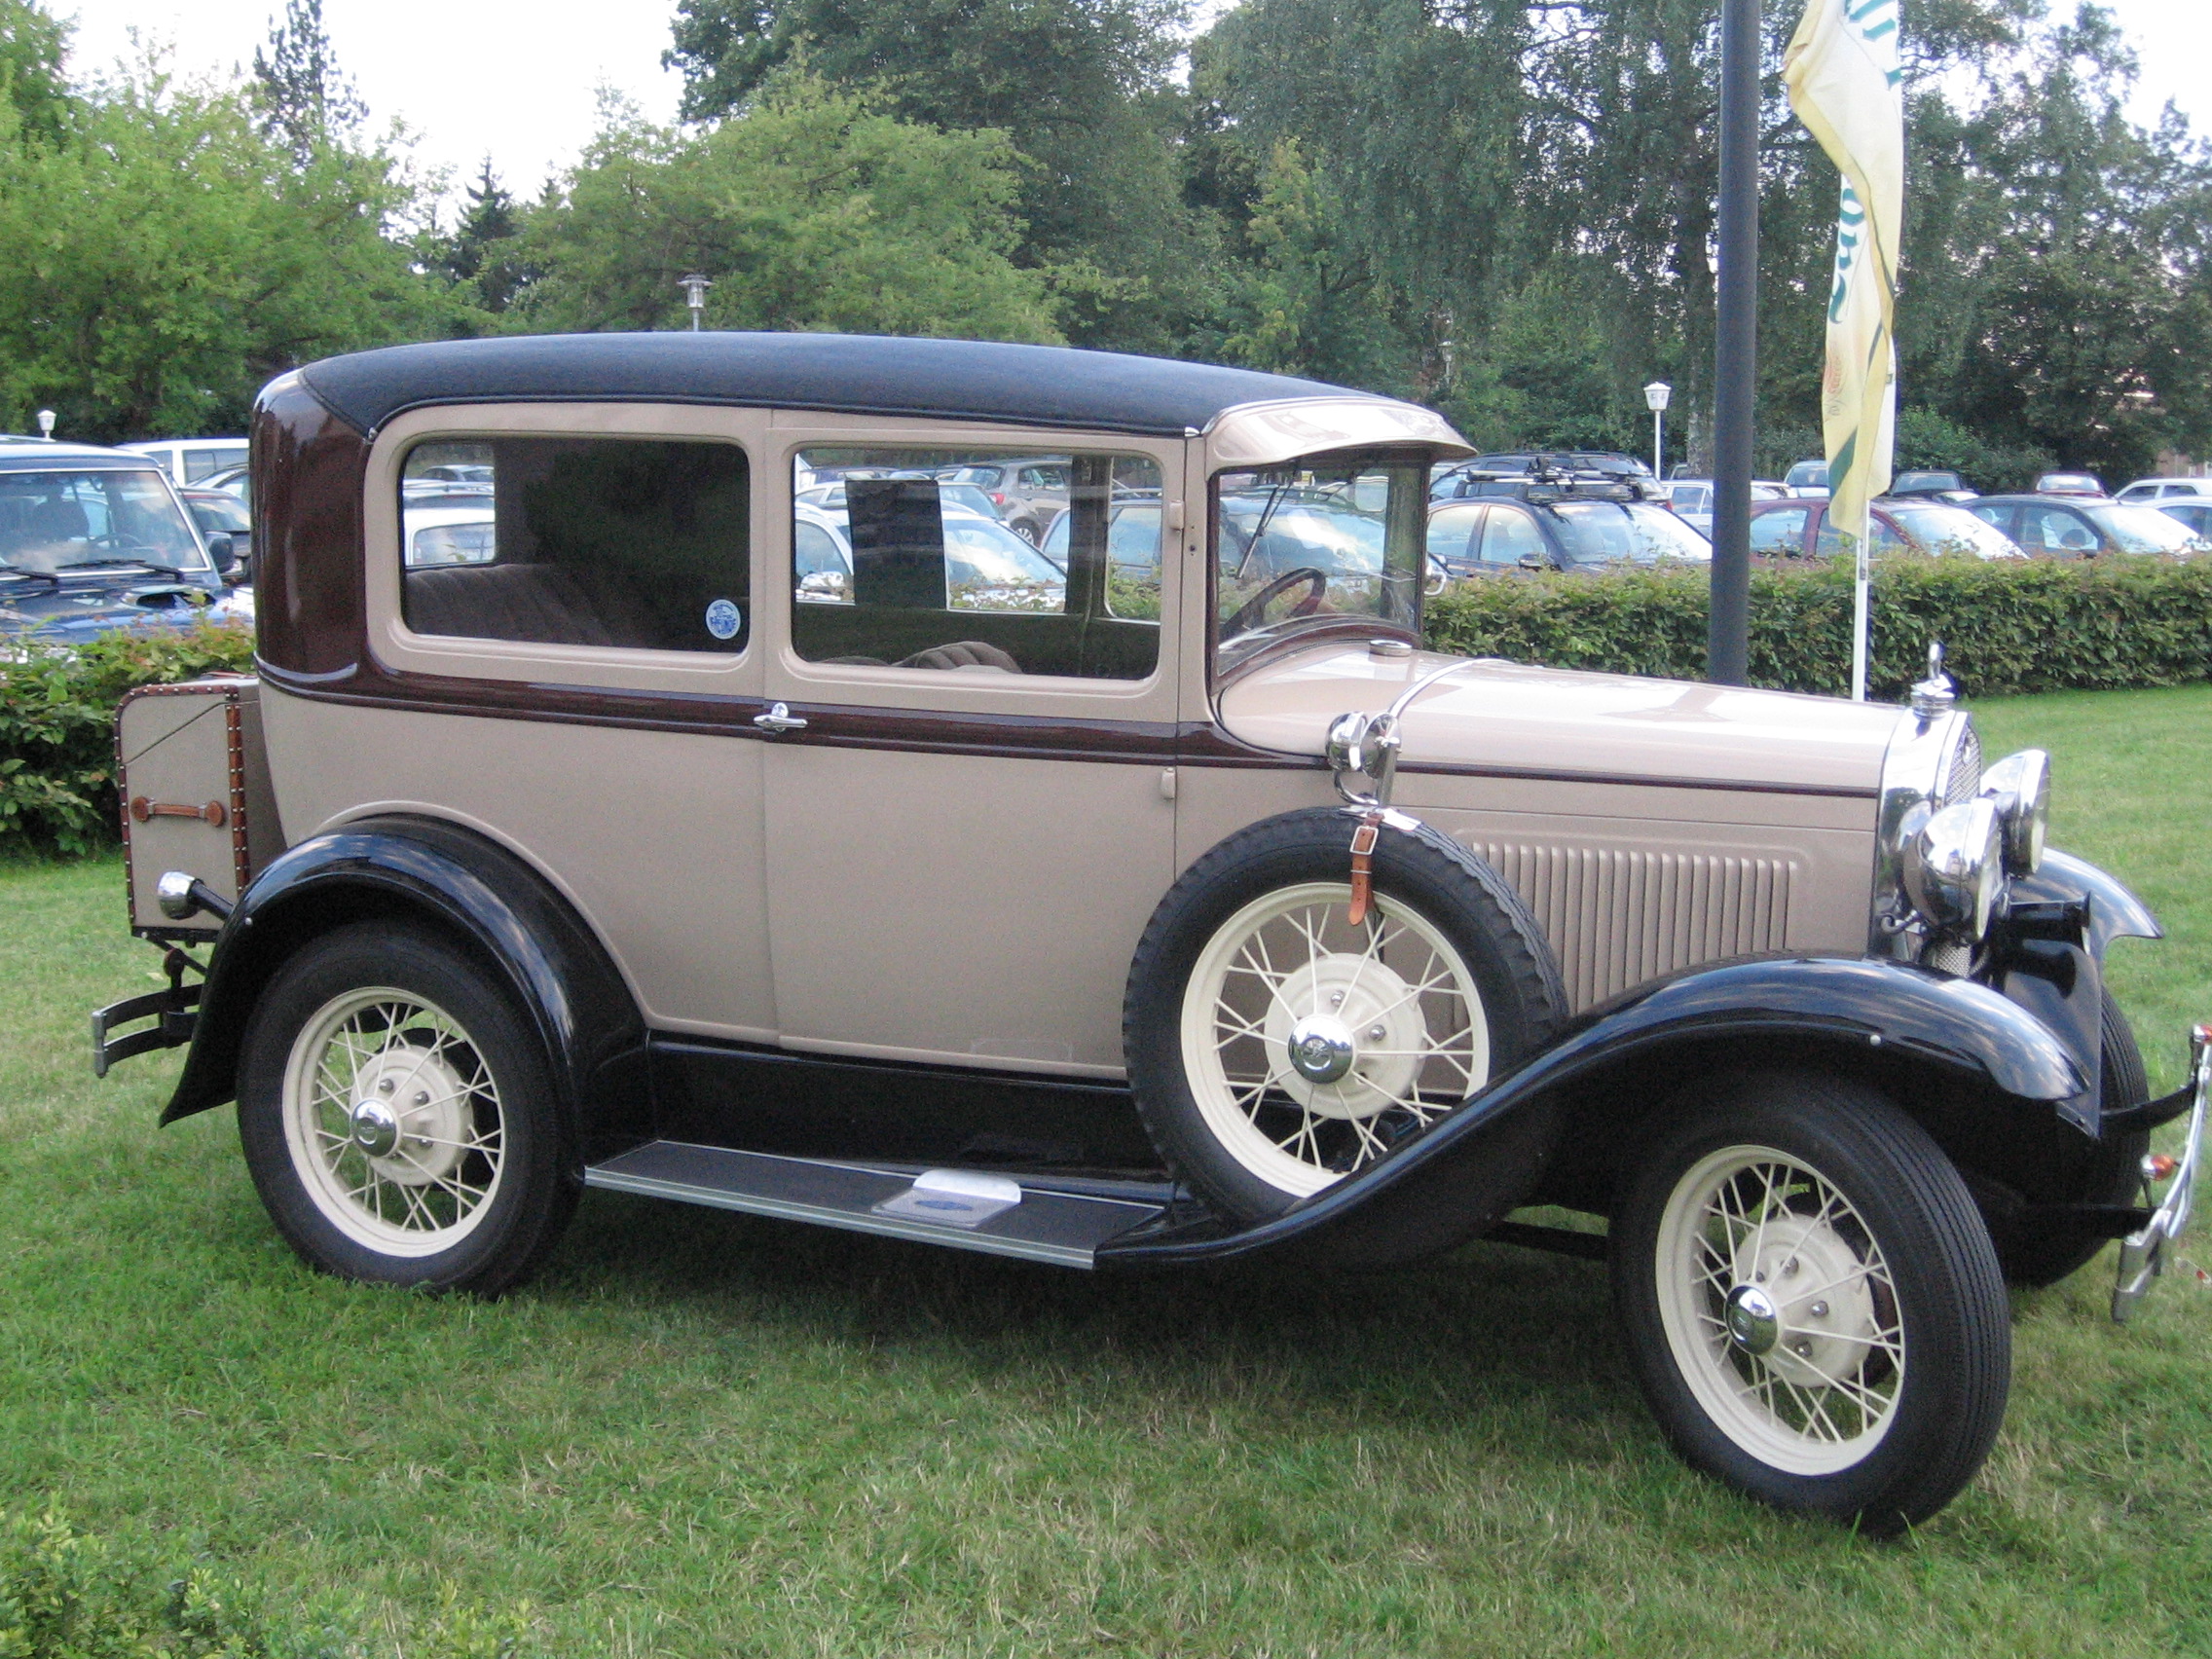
[1492, 1155]
[2114, 911]
[475, 891]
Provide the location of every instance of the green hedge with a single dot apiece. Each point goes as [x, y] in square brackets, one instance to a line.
[2042, 626]
[57, 728]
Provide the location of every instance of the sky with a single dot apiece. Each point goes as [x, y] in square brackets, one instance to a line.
[518, 80]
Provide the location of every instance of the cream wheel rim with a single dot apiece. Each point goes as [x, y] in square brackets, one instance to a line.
[1780, 1309]
[1312, 1046]
[392, 1120]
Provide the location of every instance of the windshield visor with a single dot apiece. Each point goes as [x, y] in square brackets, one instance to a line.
[54, 523]
[1312, 543]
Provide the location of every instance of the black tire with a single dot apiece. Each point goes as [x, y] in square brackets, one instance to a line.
[1920, 1328]
[1422, 873]
[506, 1136]
[2112, 1174]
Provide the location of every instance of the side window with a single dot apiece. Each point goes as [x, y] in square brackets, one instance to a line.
[1452, 530]
[1829, 542]
[2002, 518]
[1510, 534]
[635, 543]
[904, 557]
[1888, 541]
[2062, 534]
[1780, 533]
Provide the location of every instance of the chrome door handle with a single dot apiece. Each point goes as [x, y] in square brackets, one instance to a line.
[779, 720]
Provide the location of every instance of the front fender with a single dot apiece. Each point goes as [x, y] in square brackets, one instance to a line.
[468, 887]
[1486, 1159]
[2114, 911]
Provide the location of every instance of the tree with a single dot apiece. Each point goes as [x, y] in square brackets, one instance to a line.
[165, 258]
[32, 43]
[1081, 88]
[813, 209]
[304, 98]
[483, 253]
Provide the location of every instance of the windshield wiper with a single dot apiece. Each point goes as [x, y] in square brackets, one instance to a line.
[51, 581]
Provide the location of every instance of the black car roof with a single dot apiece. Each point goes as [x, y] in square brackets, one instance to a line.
[1037, 386]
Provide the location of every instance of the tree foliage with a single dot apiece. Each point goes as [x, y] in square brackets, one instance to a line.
[813, 209]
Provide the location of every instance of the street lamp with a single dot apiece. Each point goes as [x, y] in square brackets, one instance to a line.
[45, 424]
[1655, 398]
[696, 295]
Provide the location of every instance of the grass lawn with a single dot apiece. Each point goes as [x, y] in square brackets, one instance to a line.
[703, 1435]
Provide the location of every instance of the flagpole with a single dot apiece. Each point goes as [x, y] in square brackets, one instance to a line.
[1735, 346]
[1859, 590]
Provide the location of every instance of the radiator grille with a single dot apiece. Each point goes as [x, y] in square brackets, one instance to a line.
[1617, 917]
[1964, 774]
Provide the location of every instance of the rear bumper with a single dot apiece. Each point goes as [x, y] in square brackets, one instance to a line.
[2143, 1253]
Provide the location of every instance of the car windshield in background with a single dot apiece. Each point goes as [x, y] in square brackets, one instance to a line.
[2141, 530]
[1954, 530]
[1300, 546]
[1807, 475]
[1910, 482]
[1626, 533]
[54, 522]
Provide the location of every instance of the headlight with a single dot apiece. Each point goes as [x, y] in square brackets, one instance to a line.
[2020, 785]
[1954, 867]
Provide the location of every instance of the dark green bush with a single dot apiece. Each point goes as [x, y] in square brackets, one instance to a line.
[2042, 626]
[58, 729]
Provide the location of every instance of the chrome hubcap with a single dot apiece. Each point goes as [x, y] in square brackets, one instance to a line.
[375, 1129]
[1321, 1049]
[1754, 1321]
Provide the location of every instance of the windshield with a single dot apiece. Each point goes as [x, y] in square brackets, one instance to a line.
[2142, 530]
[1304, 545]
[1807, 475]
[53, 521]
[1633, 533]
[1954, 530]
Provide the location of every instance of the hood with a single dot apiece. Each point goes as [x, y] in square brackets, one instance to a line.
[80, 610]
[1507, 718]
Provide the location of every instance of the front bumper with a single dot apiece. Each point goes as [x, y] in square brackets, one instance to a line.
[2143, 1253]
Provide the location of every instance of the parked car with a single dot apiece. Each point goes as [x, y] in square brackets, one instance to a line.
[1934, 483]
[1801, 528]
[2146, 492]
[1501, 535]
[2193, 516]
[2058, 526]
[1241, 928]
[96, 540]
[987, 566]
[1690, 500]
[188, 460]
[232, 481]
[1027, 493]
[1806, 479]
[2069, 484]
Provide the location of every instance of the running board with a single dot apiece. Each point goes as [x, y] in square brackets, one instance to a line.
[966, 1209]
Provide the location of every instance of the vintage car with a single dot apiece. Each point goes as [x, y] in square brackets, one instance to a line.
[1180, 910]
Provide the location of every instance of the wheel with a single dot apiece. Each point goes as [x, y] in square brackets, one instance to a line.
[1812, 1303]
[1274, 1046]
[2113, 1173]
[396, 1110]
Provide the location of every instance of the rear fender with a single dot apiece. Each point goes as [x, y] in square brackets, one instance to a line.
[1991, 1059]
[469, 889]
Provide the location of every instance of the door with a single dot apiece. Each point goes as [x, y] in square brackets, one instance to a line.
[971, 829]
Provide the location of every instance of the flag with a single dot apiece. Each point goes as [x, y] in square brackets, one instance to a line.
[1841, 68]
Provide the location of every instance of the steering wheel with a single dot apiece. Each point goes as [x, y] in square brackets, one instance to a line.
[1248, 616]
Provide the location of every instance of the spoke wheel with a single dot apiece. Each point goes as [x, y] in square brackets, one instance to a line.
[1780, 1311]
[397, 1111]
[1811, 1301]
[392, 1117]
[1275, 1046]
[1312, 1045]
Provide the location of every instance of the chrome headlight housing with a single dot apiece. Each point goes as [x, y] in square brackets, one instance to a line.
[1933, 765]
[1954, 867]
[2020, 785]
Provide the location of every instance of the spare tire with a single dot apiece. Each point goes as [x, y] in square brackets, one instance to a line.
[1275, 1046]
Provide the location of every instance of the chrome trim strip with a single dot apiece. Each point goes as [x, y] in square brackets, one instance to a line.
[2143, 1255]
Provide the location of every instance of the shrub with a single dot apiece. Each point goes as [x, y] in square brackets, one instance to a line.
[57, 728]
[65, 1593]
[2006, 628]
